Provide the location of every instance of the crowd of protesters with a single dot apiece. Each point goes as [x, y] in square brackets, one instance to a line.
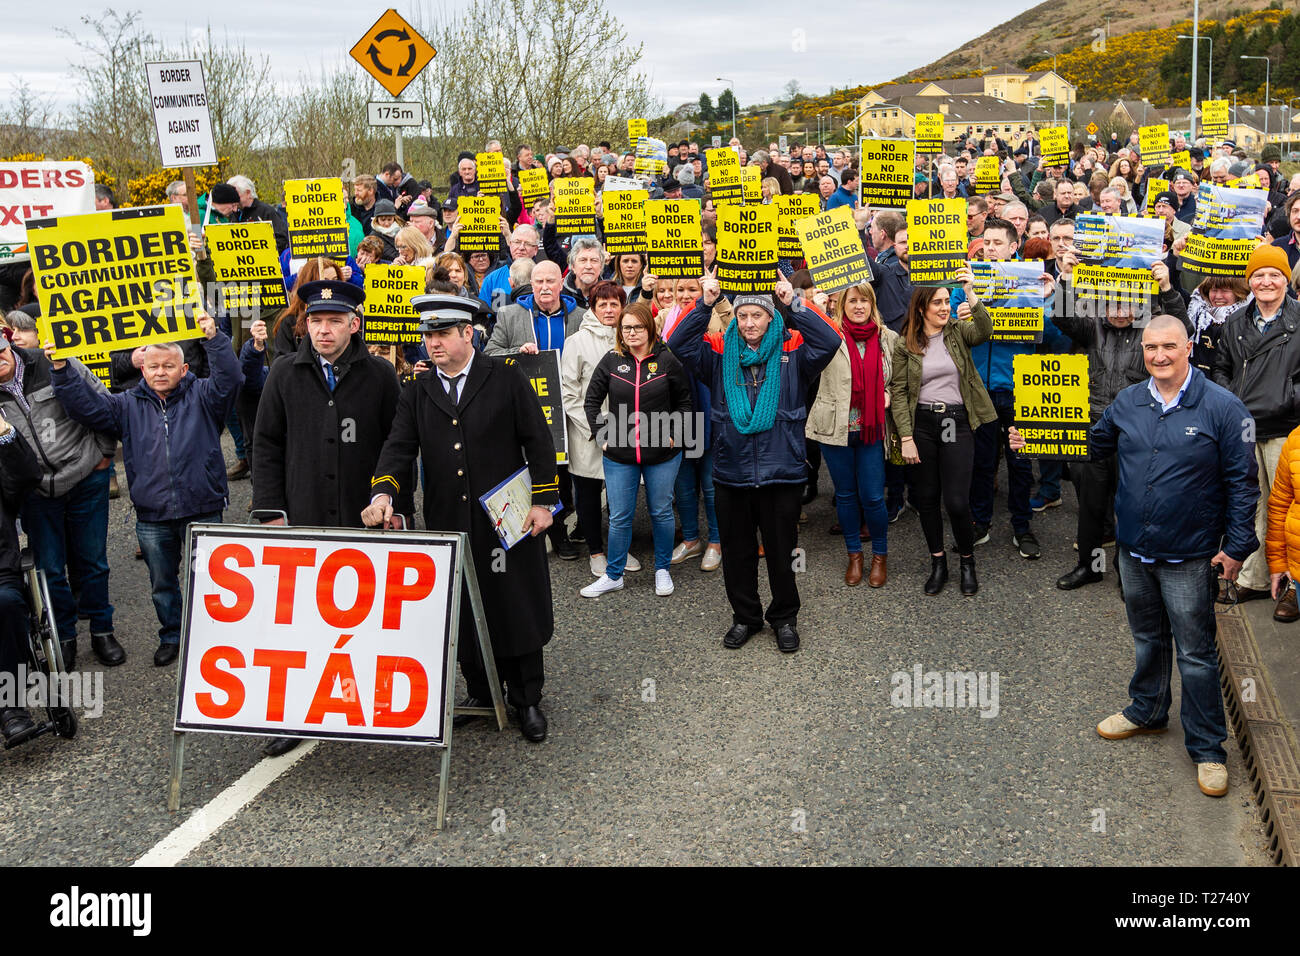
[898, 389]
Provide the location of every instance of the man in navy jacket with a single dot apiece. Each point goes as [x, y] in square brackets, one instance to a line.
[1185, 503]
[759, 467]
[170, 426]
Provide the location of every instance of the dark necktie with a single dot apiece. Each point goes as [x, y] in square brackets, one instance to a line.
[453, 388]
[330, 381]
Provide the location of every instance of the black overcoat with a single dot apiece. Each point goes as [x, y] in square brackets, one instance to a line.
[467, 451]
[314, 451]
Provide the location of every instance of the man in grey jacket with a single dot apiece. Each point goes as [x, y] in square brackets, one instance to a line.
[66, 517]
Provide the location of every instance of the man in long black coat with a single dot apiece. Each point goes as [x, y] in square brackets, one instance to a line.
[475, 421]
[324, 414]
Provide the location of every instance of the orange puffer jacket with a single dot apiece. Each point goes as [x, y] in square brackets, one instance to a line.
[1283, 540]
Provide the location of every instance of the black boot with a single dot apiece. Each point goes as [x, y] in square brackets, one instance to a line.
[968, 583]
[938, 573]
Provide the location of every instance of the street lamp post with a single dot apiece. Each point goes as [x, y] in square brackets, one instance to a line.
[819, 129]
[1209, 80]
[1055, 87]
[1196, 52]
[731, 85]
[1145, 103]
[1234, 112]
[1267, 67]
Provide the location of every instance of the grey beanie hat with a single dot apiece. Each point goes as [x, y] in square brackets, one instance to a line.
[763, 301]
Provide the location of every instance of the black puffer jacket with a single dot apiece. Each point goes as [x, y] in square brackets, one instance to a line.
[655, 387]
[20, 473]
[1114, 354]
[1262, 369]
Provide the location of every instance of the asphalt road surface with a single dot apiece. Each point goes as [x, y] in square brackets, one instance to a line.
[666, 748]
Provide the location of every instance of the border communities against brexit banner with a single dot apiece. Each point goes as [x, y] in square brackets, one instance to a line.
[1223, 234]
[746, 254]
[888, 166]
[1116, 254]
[833, 249]
[246, 266]
[390, 317]
[936, 240]
[1051, 396]
[318, 218]
[115, 279]
[39, 191]
[1013, 294]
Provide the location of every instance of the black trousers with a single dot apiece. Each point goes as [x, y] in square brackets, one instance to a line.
[522, 676]
[947, 450]
[586, 499]
[743, 514]
[1095, 484]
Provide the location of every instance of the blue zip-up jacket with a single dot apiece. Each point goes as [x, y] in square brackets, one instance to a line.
[1188, 482]
[171, 447]
[776, 456]
[841, 197]
[993, 360]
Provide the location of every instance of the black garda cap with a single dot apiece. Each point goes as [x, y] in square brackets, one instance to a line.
[440, 311]
[329, 295]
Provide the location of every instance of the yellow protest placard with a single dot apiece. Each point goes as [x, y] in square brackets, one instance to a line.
[936, 240]
[624, 219]
[887, 167]
[1246, 182]
[575, 206]
[988, 175]
[1112, 283]
[746, 260]
[651, 156]
[929, 132]
[1051, 396]
[479, 219]
[724, 175]
[1214, 119]
[1216, 257]
[317, 211]
[1055, 144]
[1155, 186]
[1153, 144]
[534, 184]
[789, 210]
[492, 176]
[115, 279]
[674, 243]
[1182, 159]
[636, 128]
[247, 267]
[832, 248]
[751, 184]
[390, 317]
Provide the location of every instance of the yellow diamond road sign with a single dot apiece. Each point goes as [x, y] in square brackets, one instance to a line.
[1092, 129]
[392, 52]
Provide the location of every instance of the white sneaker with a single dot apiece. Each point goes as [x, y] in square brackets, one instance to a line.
[663, 583]
[602, 585]
[597, 564]
[632, 564]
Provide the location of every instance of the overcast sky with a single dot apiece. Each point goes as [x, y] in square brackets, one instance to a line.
[773, 41]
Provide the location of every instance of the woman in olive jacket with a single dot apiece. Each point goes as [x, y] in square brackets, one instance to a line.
[849, 418]
[937, 402]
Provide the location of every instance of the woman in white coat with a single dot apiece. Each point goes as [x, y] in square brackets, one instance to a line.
[583, 351]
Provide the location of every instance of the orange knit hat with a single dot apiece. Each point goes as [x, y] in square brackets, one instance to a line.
[1268, 257]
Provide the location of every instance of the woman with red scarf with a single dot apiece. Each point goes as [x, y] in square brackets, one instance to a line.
[848, 419]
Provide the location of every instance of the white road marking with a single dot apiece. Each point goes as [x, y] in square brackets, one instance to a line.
[205, 821]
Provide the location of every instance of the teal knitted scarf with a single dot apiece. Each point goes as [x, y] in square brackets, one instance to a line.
[750, 420]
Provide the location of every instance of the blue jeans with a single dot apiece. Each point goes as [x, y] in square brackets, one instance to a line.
[236, 433]
[73, 529]
[695, 478]
[1049, 479]
[621, 483]
[858, 472]
[989, 439]
[163, 544]
[1168, 604]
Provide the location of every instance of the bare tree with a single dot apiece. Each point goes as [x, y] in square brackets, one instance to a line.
[28, 121]
[546, 72]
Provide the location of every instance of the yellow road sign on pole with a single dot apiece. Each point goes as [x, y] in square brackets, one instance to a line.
[1092, 129]
[393, 52]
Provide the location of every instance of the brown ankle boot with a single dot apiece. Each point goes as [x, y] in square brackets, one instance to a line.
[877, 576]
[853, 574]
